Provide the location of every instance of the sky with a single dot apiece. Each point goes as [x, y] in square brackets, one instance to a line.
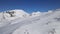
[29, 5]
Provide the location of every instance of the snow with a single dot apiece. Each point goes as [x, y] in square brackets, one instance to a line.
[15, 14]
[35, 23]
[36, 13]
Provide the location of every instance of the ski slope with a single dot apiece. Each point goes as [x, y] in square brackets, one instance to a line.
[11, 27]
[47, 24]
[36, 23]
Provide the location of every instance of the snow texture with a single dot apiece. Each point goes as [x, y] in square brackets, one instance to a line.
[20, 22]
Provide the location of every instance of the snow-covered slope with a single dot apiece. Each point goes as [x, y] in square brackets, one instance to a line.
[49, 23]
[13, 14]
[35, 23]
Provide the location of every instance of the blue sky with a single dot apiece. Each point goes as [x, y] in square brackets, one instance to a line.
[29, 5]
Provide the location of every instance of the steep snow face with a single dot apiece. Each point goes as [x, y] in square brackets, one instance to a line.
[49, 23]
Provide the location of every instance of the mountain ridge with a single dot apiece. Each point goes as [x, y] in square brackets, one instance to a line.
[35, 23]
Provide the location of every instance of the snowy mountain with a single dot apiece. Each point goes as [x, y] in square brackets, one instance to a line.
[20, 22]
[13, 14]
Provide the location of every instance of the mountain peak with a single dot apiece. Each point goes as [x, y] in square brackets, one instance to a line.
[13, 14]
